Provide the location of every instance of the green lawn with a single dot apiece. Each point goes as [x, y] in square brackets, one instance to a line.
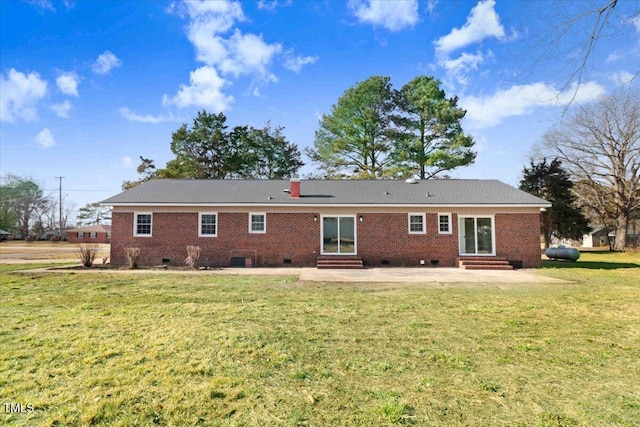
[124, 349]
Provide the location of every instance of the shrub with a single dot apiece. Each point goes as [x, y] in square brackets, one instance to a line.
[193, 255]
[88, 253]
[133, 255]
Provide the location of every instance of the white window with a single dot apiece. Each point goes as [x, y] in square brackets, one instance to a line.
[416, 224]
[80, 234]
[142, 224]
[93, 235]
[444, 223]
[257, 222]
[208, 224]
[108, 235]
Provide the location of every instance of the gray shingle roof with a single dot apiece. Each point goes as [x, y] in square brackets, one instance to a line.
[325, 192]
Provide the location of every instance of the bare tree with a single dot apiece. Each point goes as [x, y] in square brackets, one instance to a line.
[570, 43]
[600, 147]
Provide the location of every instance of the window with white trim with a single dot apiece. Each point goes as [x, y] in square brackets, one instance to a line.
[208, 224]
[257, 222]
[80, 234]
[417, 224]
[444, 223]
[93, 235]
[142, 224]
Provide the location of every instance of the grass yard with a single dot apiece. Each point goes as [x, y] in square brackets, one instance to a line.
[122, 350]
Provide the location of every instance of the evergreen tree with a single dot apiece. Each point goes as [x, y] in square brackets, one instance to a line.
[550, 182]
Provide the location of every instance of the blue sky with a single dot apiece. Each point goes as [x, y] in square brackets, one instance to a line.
[88, 86]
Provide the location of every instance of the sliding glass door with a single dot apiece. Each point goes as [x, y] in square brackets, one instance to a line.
[338, 235]
[477, 236]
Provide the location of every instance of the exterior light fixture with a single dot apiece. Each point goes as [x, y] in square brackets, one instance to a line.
[361, 218]
[315, 218]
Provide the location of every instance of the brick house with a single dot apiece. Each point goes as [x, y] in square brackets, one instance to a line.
[305, 223]
[90, 234]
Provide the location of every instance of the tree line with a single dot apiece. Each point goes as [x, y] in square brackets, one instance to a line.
[373, 131]
[594, 176]
[27, 212]
[210, 150]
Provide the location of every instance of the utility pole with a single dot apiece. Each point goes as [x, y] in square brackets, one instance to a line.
[60, 206]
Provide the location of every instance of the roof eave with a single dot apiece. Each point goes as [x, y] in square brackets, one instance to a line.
[340, 205]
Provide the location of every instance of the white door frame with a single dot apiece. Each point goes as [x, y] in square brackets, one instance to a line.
[355, 234]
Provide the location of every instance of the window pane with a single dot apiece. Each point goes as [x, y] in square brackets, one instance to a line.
[468, 236]
[347, 235]
[143, 224]
[330, 235]
[257, 222]
[485, 245]
[444, 223]
[416, 224]
[208, 224]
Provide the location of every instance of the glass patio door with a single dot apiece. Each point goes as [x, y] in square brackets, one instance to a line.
[338, 235]
[476, 236]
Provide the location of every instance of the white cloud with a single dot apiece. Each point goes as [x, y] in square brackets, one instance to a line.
[636, 23]
[19, 95]
[126, 162]
[45, 138]
[488, 111]
[205, 90]
[392, 15]
[105, 62]
[227, 53]
[68, 83]
[460, 67]
[614, 57]
[48, 5]
[62, 110]
[482, 22]
[208, 20]
[295, 63]
[239, 54]
[623, 77]
[431, 6]
[42, 4]
[130, 115]
[249, 54]
[271, 5]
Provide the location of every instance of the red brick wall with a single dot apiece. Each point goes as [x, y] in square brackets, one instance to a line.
[386, 237]
[72, 237]
[296, 236]
[289, 236]
[518, 238]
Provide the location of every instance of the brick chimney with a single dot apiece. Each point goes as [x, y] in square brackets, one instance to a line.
[295, 188]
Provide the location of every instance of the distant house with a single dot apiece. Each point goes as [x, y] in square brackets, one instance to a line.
[4, 235]
[90, 234]
[315, 222]
[598, 236]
